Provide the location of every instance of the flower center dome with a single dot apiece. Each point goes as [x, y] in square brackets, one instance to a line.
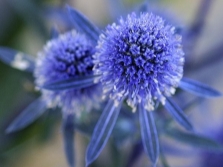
[140, 58]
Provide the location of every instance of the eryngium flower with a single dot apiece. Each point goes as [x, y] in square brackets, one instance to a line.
[140, 58]
[66, 57]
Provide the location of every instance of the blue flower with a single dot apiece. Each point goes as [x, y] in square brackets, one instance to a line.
[140, 60]
[66, 57]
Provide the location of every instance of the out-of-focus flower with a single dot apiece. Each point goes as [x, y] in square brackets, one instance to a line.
[66, 57]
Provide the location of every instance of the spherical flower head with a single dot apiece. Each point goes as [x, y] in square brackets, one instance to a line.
[140, 58]
[68, 56]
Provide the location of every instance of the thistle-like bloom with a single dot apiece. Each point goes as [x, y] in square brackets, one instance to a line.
[140, 60]
[63, 60]
[66, 57]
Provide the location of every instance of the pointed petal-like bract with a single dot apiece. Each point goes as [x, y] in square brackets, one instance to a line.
[73, 83]
[30, 114]
[198, 88]
[177, 114]
[149, 134]
[68, 128]
[17, 59]
[102, 131]
[83, 24]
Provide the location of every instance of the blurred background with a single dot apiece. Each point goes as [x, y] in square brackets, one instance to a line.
[26, 25]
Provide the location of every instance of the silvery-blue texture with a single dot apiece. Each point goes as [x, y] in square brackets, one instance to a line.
[66, 57]
[140, 60]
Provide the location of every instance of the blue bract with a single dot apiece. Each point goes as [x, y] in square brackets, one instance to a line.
[140, 58]
[66, 57]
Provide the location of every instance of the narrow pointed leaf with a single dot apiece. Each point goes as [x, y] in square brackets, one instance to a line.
[198, 88]
[17, 59]
[83, 24]
[149, 134]
[102, 131]
[178, 114]
[29, 115]
[68, 128]
[194, 139]
[73, 83]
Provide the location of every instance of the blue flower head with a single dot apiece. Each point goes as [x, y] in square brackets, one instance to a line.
[63, 73]
[66, 57]
[141, 58]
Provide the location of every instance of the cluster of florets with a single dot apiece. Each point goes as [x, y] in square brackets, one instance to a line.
[68, 56]
[140, 58]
